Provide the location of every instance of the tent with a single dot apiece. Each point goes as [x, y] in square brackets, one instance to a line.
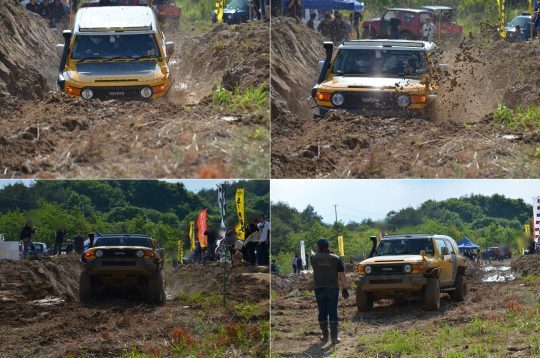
[466, 244]
[346, 5]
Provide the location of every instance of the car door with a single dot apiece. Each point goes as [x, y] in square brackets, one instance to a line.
[445, 275]
[384, 32]
[453, 259]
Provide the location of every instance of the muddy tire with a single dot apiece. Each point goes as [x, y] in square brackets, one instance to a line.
[85, 287]
[460, 292]
[155, 291]
[431, 295]
[364, 301]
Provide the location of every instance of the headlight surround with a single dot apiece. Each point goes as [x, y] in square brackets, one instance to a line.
[403, 100]
[87, 93]
[98, 253]
[407, 268]
[338, 99]
[367, 269]
[140, 253]
[146, 92]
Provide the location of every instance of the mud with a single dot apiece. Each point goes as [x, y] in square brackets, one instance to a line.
[182, 135]
[40, 314]
[460, 140]
[527, 265]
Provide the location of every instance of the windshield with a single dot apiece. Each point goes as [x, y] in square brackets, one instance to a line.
[520, 21]
[405, 247]
[124, 241]
[380, 63]
[237, 4]
[115, 46]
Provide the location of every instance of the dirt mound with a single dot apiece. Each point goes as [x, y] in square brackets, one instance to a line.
[527, 265]
[30, 280]
[27, 52]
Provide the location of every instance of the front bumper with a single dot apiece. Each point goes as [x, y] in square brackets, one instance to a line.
[121, 268]
[391, 285]
[131, 92]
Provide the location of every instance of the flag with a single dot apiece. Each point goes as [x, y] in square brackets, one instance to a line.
[221, 203]
[180, 252]
[192, 235]
[303, 253]
[240, 228]
[341, 248]
[502, 16]
[219, 10]
[202, 226]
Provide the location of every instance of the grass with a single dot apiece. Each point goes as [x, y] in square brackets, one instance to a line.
[196, 15]
[250, 153]
[519, 117]
[251, 99]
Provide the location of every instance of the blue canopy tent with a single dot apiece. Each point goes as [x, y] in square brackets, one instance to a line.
[344, 5]
[466, 244]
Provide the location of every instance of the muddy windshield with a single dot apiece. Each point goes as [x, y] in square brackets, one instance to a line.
[380, 63]
[123, 241]
[520, 21]
[115, 47]
[237, 4]
[405, 247]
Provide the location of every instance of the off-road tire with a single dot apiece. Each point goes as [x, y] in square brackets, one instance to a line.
[431, 295]
[155, 292]
[85, 287]
[364, 301]
[460, 292]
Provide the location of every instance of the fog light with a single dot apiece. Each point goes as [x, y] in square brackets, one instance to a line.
[87, 93]
[407, 268]
[337, 99]
[140, 253]
[146, 92]
[367, 269]
[403, 101]
[98, 253]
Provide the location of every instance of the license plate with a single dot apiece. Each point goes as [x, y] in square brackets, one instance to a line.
[370, 100]
[117, 93]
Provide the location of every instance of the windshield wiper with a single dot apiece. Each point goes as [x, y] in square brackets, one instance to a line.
[144, 58]
[93, 58]
[350, 73]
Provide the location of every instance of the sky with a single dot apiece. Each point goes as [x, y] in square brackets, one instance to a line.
[374, 198]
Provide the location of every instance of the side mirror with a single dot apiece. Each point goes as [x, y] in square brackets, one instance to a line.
[444, 251]
[60, 49]
[320, 66]
[169, 48]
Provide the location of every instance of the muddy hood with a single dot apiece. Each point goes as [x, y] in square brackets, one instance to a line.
[392, 259]
[137, 71]
[372, 83]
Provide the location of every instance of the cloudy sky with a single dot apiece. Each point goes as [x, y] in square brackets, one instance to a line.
[359, 199]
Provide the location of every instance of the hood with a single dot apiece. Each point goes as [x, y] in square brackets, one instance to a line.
[121, 248]
[357, 82]
[138, 71]
[392, 259]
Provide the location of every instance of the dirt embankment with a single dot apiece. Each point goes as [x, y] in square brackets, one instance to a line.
[40, 314]
[184, 134]
[26, 53]
[527, 265]
[461, 140]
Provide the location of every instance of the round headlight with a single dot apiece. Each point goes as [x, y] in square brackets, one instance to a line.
[98, 253]
[337, 99]
[87, 93]
[407, 268]
[367, 269]
[403, 101]
[146, 92]
[140, 253]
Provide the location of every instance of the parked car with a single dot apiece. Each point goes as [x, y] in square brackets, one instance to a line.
[524, 22]
[446, 21]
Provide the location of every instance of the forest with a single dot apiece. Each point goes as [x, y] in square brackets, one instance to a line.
[487, 220]
[160, 209]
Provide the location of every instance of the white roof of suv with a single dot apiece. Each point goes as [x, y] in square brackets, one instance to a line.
[115, 19]
[389, 44]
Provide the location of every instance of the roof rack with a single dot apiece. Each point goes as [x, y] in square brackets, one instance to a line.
[385, 43]
[412, 236]
[115, 29]
[123, 235]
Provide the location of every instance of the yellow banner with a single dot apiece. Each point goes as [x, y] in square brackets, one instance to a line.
[527, 229]
[180, 252]
[502, 25]
[192, 235]
[341, 248]
[530, 7]
[220, 4]
[240, 228]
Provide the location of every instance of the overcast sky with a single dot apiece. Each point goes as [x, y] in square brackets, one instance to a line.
[374, 198]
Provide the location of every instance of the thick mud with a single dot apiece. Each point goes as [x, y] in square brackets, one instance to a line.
[185, 134]
[40, 314]
[460, 140]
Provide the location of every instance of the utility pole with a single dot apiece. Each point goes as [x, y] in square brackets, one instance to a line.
[335, 210]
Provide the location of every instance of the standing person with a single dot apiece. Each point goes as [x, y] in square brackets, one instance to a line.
[428, 30]
[310, 24]
[44, 9]
[264, 242]
[26, 236]
[69, 247]
[299, 264]
[58, 14]
[251, 242]
[33, 6]
[325, 26]
[394, 25]
[58, 241]
[212, 238]
[328, 271]
[339, 29]
[79, 243]
[294, 265]
[357, 17]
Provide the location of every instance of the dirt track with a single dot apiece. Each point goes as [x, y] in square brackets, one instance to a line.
[460, 141]
[182, 135]
[40, 315]
[295, 329]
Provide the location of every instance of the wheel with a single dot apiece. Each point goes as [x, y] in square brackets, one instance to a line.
[85, 287]
[364, 301]
[460, 293]
[431, 295]
[155, 291]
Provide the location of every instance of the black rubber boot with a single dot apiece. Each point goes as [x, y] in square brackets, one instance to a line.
[334, 332]
[324, 330]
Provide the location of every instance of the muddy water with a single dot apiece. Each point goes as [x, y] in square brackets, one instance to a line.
[498, 274]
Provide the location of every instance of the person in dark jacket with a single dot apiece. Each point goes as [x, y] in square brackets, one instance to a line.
[58, 13]
[33, 6]
[44, 9]
[211, 234]
[58, 241]
[26, 236]
[310, 23]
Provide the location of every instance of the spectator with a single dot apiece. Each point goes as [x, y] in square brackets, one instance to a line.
[294, 8]
[58, 241]
[428, 30]
[26, 237]
[69, 247]
[44, 9]
[325, 26]
[357, 17]
[79, 244]
[264, 241]
[339, 30]
[274, 267]
[58, 14]
[294, 263]
[251, 243]
[310, 24]
[518, 35]
[395, 23]
[33, 6]
[299, 264]
[211, 234]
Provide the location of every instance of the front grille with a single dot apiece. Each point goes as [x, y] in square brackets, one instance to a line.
[119, 263]
[371, 100]
[384, 282]
[117, 92]
[386, 269]
[120, 253]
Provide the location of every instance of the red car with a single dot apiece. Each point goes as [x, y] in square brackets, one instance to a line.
[411, 24]
[168, 11]
[446, 17]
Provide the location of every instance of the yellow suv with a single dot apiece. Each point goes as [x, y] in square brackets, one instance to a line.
[115, 52]
[412, 265]
[378, 76]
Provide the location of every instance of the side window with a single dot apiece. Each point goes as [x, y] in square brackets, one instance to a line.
[450, 247]
[440, 244]
[408, 17]
[389, 15]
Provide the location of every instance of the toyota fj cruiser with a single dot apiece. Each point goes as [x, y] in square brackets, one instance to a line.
[381, 76]
[412, 265]
[122, 260]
